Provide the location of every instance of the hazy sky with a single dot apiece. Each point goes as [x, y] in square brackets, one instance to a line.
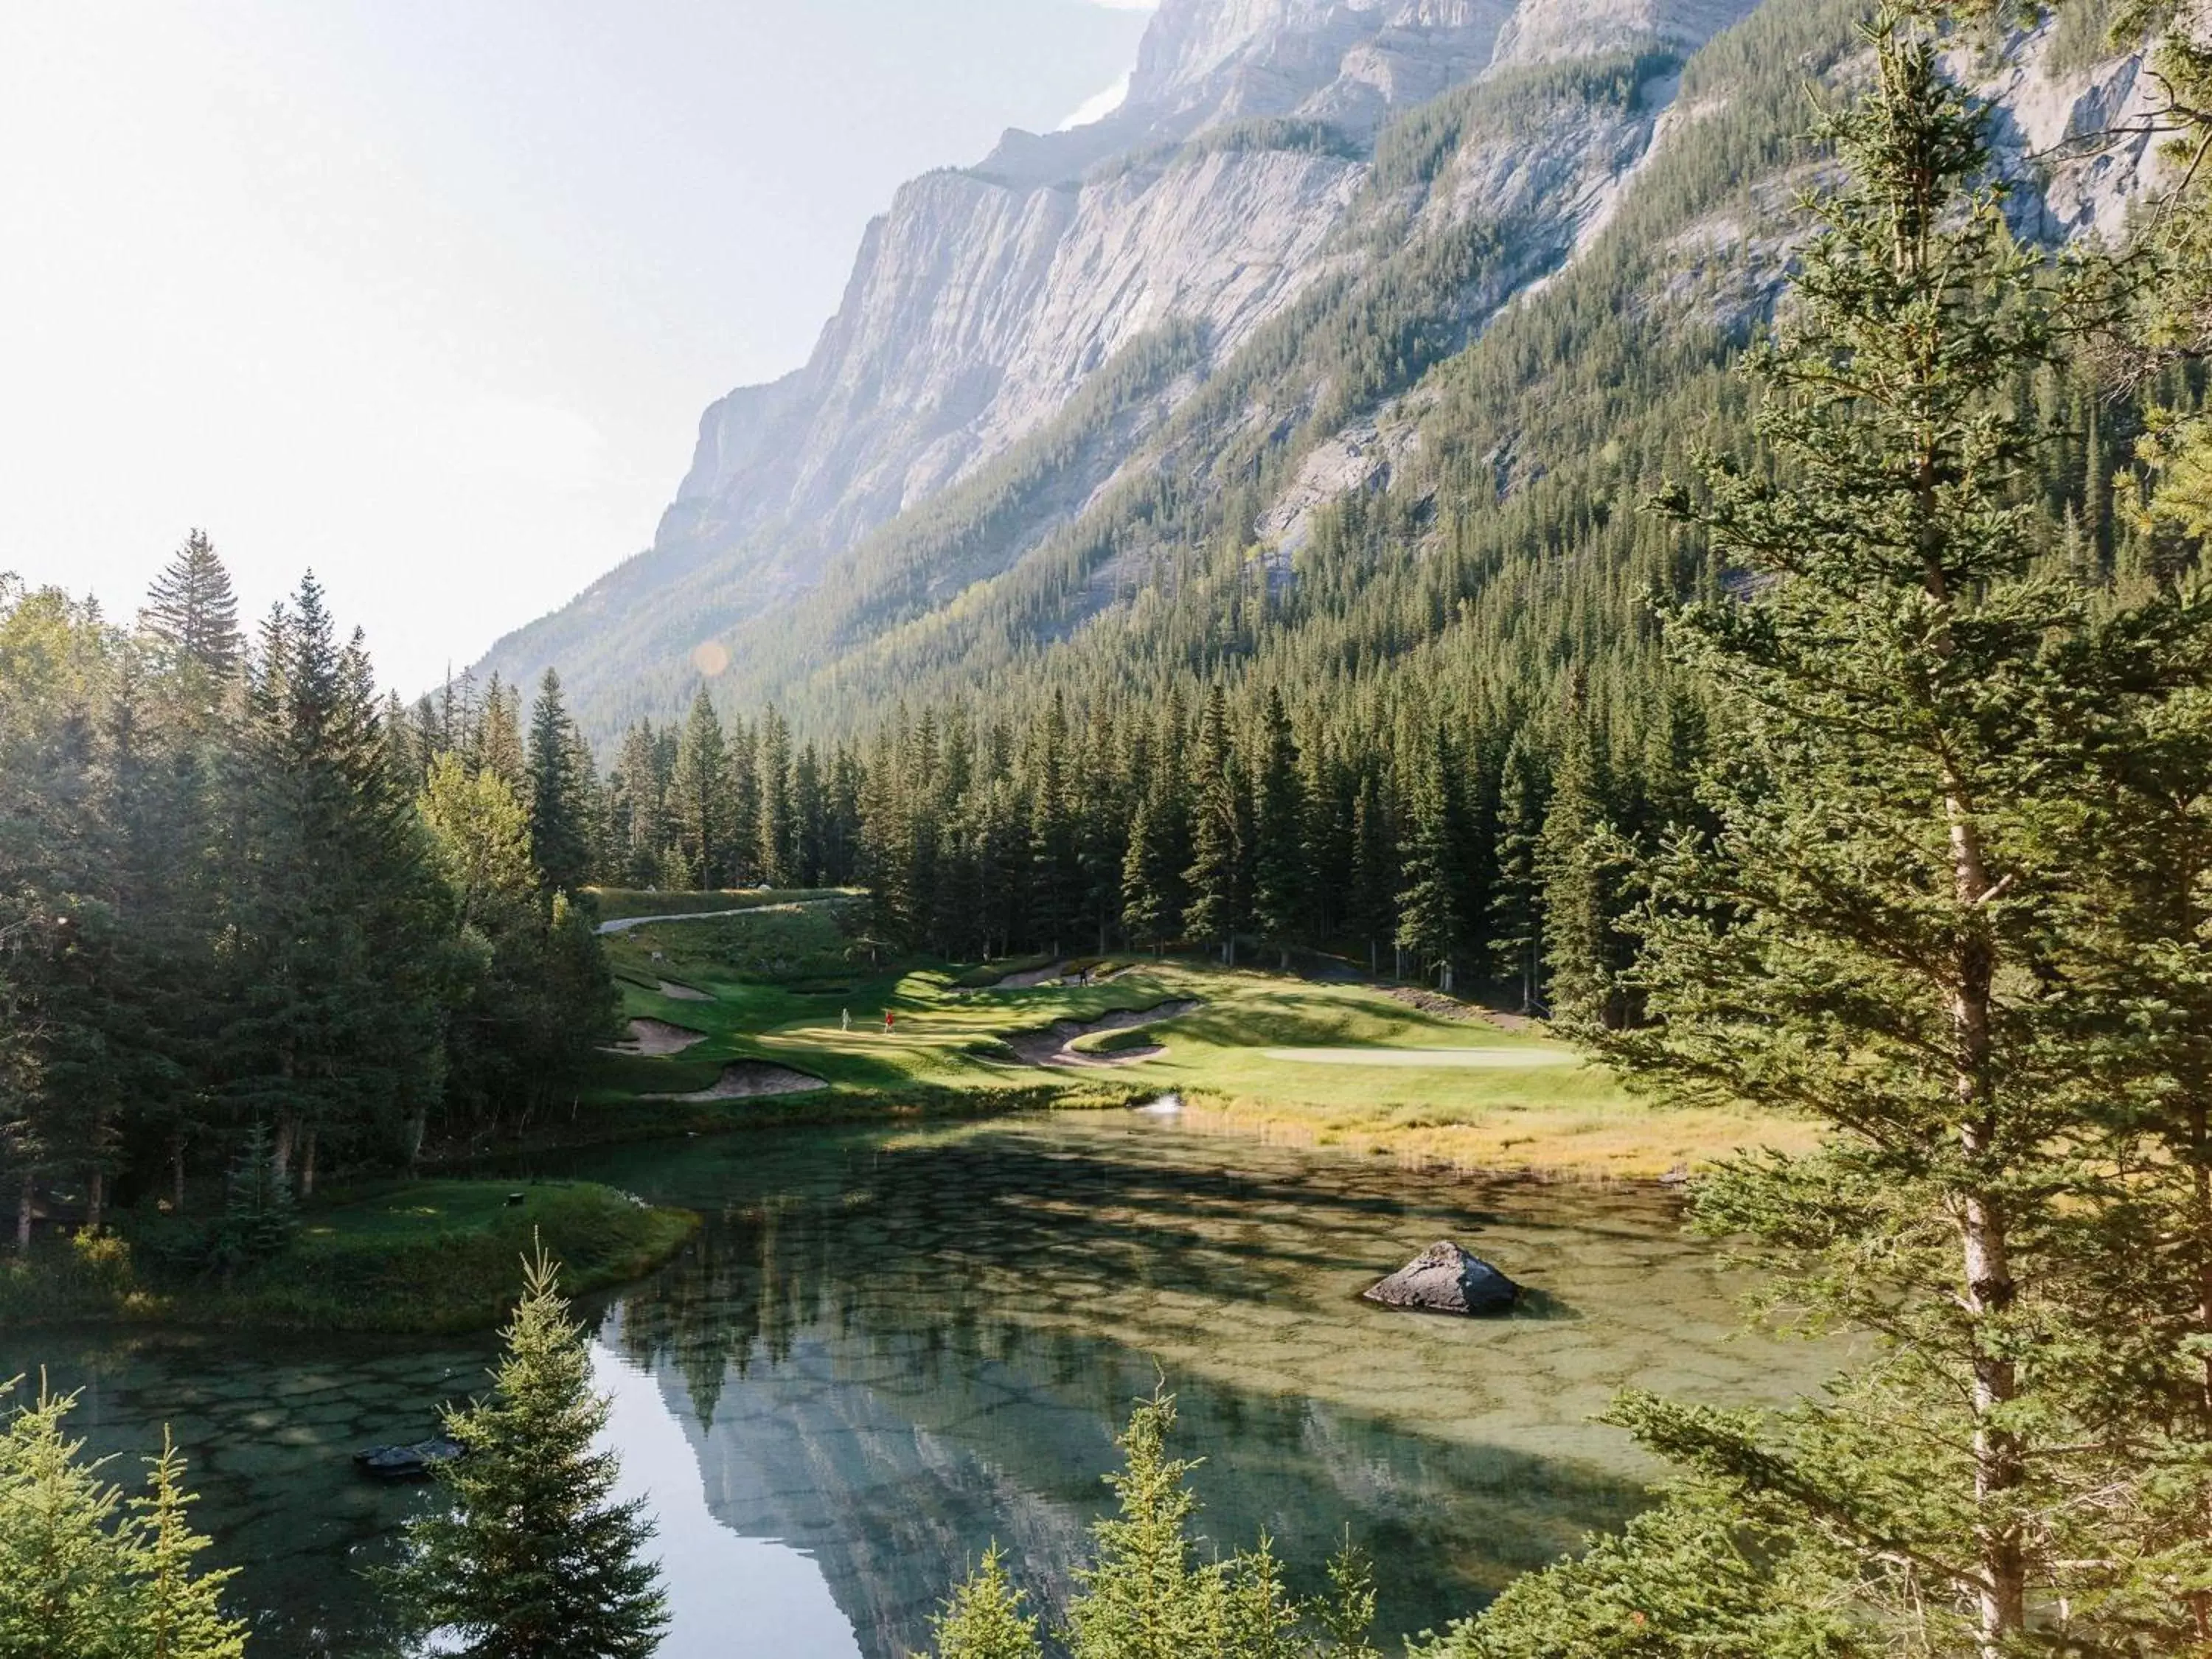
[429, 296]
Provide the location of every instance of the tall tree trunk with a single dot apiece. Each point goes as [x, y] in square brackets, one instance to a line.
[288, 1135]
[95, 1197]
[308, 1166]
[176, 1174]
[2200, 1157]
[25, 1201]
[1986, 1262]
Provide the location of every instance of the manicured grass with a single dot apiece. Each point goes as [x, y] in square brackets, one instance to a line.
[780, 983]
[422, 1255]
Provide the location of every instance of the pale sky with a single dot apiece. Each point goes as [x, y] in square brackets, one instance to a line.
[429, 296]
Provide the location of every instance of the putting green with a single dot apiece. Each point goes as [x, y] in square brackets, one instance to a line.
[1477, 1058]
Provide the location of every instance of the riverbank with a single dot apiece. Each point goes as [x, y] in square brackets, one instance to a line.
[396, 1256]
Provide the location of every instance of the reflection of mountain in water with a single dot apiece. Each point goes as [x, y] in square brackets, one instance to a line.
[891, 1377]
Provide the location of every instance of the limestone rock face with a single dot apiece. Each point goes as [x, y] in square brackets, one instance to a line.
[1446, 1278]
[1253, 166]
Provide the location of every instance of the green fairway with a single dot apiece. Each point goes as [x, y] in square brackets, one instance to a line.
[795, 981]
[1477, 1059]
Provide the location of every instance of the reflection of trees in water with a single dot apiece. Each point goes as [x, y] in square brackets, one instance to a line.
[893, 1374]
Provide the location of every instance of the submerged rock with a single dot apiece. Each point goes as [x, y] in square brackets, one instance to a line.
[415, 1462]
[1445, 1278]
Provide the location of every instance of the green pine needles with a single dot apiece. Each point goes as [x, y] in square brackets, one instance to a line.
[1922, 914]
[528, 1558]
[1149, 1593]
[87, 1572]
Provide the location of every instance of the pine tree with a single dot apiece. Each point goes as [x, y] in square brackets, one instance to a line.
[1428, 903]
[86, 1573]
[331, 1015]
[496, 745]
[810, 816]
[1147, 1595]
[1055, 877]
[1372, 903]
[1279, 864]
[984, 1619]
[192, 616]
[1219, 834]
[528, 1558]
[1578, 862]
[559, 831]
[1878, 930]
[639, 788]
[176, 1612]
[699, 796]
[779, 840]
[1145, 873]
[1516, 912]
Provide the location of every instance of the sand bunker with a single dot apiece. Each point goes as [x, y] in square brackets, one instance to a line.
[1051, 974]
[656, 1037]
[1050, 1046]
[1493, 1060]
[676, 992]
[746, 1079]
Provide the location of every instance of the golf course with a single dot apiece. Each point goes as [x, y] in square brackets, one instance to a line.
[774, 1006]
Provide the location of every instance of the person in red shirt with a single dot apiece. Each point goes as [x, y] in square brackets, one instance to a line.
[888, 1018]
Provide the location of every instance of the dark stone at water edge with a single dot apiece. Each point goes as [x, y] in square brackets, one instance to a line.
[413, 1462]
[1445, 1278]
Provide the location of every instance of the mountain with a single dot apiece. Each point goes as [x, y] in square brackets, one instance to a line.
[1429, 251]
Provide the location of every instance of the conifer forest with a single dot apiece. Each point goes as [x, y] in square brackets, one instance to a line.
[1798, 719]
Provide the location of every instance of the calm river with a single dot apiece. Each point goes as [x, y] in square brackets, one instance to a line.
[888, 1347]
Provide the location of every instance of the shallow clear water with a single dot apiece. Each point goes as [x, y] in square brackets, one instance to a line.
[887, 1348]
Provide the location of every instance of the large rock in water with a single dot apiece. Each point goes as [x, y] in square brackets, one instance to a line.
[415, 1462]
[1445, 1278]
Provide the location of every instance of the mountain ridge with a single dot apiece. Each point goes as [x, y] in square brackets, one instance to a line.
[1165, 262]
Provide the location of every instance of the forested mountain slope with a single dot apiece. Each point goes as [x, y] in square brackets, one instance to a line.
[1093, 404]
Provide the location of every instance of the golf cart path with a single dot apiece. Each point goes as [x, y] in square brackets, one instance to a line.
[624, 924]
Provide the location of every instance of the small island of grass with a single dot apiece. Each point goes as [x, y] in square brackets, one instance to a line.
[387, 1256]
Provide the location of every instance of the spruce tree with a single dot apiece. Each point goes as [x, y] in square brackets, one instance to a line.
[778, 825]
[1219, 834]
[1145, 917]
[560, 830]
[1371, 906]
[1280, 865]
[810, 815]
[1517, 910]
[1428, 902]
[1876, 934]
[176, 1612]
[496, 743]
[1147, 1595]
[86, 1573]
[192, 616]
[1578, 862]
[527, 1557]
[639, 788]
[983, 1619]
[699, 796]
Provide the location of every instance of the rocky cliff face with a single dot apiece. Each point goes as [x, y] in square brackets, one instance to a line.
[986, 297]
[1271, 153]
